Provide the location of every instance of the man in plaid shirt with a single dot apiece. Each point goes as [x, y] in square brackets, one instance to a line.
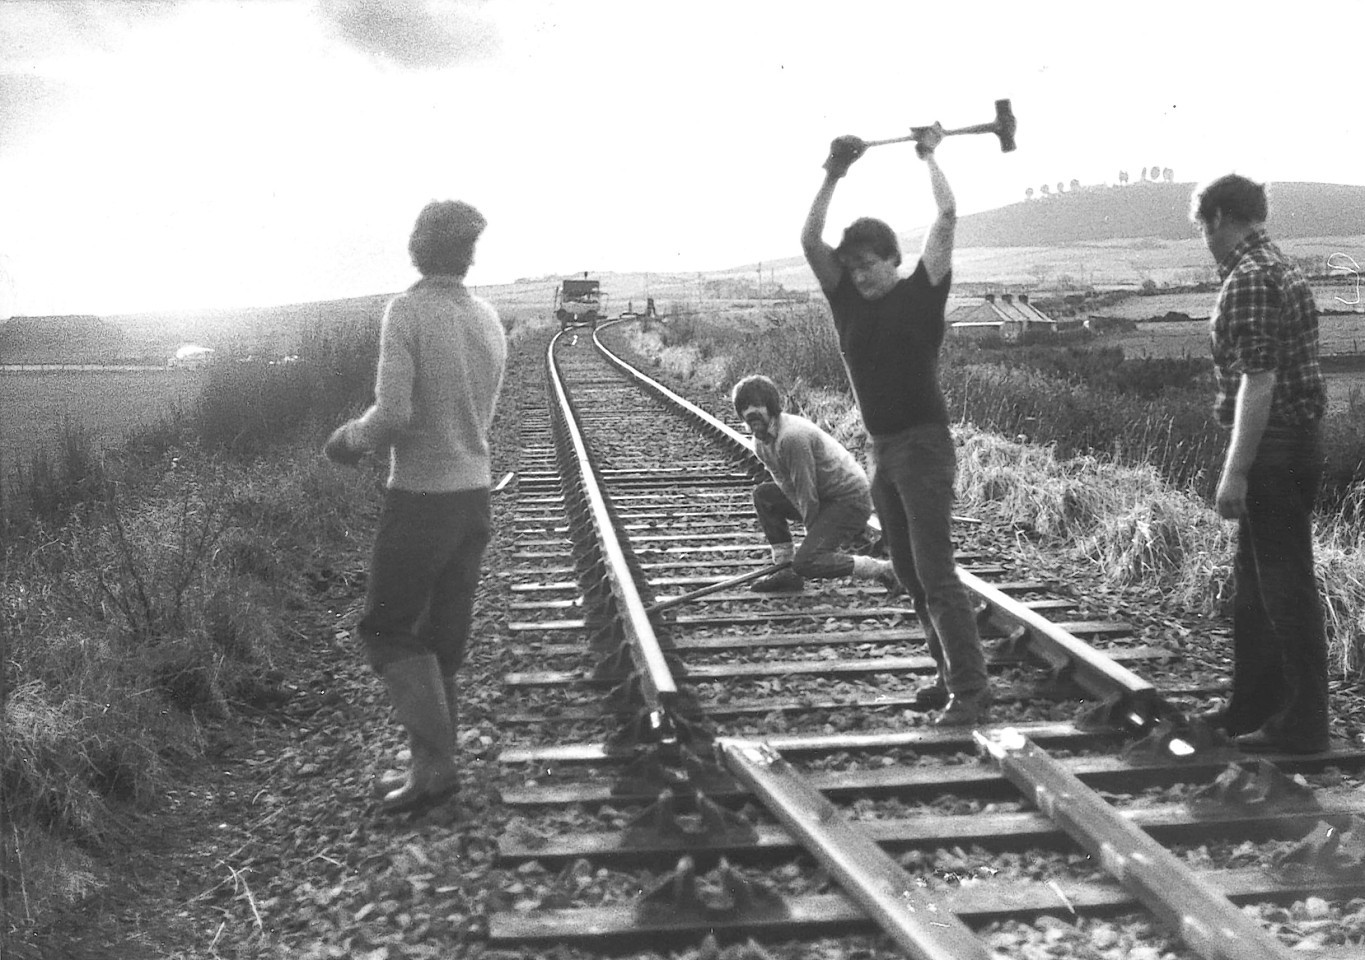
[1271, 399]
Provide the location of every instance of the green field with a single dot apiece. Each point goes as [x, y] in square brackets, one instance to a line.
[1337, 335]
[105, 403]
[1197, 305]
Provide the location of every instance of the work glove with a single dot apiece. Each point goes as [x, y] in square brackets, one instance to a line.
[842, 152]
[339, 450]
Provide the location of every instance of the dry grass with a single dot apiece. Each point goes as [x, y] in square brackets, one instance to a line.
[129, 627]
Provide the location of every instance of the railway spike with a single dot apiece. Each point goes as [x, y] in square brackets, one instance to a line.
[1177, 737]
[1016, 644]
[609, 637]
[645, 729]
[724, 893]
[1109, 712]
[752, 898]
[626, 695]
[647, 774]
[659, 820]
[705, 773]
[619, 663]
[677, 891]
[694, 732]
[1266, 787]
[1321, 850]
[720, 823]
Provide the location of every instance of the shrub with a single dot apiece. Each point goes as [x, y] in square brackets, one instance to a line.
[54, 485]
[248, 406]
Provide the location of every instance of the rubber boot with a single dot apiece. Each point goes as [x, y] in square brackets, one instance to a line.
[404, 756]
[418, 696]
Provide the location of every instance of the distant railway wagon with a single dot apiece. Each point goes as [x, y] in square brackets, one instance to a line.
[578, 301]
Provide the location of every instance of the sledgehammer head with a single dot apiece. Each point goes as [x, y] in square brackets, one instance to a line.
[1004, 125]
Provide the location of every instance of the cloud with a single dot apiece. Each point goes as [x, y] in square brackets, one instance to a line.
[39, 28]
[414, 33]
[26, 98]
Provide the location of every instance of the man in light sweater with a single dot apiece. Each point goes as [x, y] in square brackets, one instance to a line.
[441, 357]
[815, 480]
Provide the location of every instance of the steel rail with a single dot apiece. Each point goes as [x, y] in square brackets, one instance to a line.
[796, 800]
[1206, 920]
[657, 684]
[739, 444]
[1097, 673]
[874, 881]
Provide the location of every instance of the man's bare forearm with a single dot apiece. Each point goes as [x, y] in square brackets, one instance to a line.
[813, 231]
[943, 193]
[1252, 413]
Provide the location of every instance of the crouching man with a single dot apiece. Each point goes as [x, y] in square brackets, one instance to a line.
[815, 480]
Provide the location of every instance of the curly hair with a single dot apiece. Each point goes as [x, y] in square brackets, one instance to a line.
[443, 238]
[1236, 196]
[869, 233]
[757, 391]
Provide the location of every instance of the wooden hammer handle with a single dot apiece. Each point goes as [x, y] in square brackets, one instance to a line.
[916, 133]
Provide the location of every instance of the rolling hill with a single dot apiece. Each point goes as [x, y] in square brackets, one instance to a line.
[1159, 210]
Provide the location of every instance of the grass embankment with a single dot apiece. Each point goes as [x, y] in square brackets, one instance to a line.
[148, 590]
[1109, 459]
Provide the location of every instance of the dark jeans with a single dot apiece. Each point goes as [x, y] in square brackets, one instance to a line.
[1279, 675]
[912, 487]
[423, 576]
[838, 522]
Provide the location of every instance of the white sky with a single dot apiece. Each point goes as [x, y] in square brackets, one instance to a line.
[214, 153]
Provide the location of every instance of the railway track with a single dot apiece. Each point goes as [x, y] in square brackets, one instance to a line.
[760, 769]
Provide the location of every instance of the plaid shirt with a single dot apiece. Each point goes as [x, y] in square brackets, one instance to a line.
[1266, 320]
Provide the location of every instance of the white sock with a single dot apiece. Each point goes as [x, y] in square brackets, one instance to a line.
[869, 568]
[783, 552]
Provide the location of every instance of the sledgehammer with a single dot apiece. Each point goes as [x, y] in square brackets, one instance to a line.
[717, 587]
[1002, 126]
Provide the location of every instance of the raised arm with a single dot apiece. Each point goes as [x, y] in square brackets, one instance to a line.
[937, 254]
[819, 254]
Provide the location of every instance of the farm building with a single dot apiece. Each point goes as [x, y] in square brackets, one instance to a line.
[191, 357]
[1006, 316]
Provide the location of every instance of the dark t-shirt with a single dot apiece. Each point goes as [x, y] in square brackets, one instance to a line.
[890, 349]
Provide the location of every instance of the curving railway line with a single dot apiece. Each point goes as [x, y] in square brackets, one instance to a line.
[701, 766]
